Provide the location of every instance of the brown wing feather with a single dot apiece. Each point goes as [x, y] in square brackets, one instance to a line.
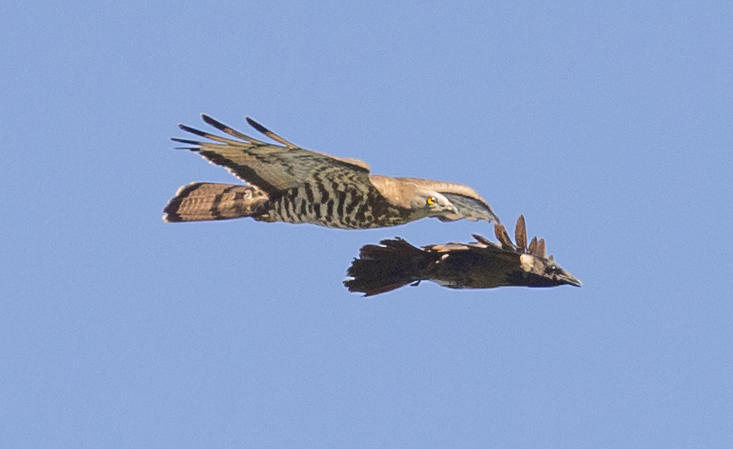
[270, 167]
[520, 234]
[503, 237]
[540, 252]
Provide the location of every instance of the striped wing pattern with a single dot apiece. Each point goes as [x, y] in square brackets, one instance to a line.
[303, 186]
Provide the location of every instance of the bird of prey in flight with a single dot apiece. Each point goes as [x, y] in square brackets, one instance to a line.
[291, 184]
[482, 264]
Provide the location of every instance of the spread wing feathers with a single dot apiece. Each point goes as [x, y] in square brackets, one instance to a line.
[520, 234]
[481, 239]
[269, 167]
[269, 133]
[533, 246]
[536, 247]
[503, 237]
[540, 250]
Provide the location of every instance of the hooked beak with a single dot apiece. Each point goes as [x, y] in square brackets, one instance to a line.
[449, 213]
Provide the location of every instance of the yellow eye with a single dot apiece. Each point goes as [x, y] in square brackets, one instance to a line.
[431, 200]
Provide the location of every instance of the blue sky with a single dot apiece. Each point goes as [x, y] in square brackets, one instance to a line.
[607, 126]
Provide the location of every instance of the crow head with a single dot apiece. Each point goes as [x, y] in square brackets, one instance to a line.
[534, 270]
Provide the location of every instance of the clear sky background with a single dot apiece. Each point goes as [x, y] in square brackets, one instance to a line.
[609, 127]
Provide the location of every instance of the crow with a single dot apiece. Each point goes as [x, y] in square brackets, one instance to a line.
[481, 264]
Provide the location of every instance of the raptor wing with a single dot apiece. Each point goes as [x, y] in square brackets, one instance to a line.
[270, 167]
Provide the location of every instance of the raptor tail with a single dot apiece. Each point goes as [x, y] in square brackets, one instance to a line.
[385, 267]
[202, 201]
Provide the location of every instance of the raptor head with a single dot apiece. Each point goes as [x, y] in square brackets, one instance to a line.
[429, 203]
[467, 202]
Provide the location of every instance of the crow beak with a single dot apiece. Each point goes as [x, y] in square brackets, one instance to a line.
[569, 279]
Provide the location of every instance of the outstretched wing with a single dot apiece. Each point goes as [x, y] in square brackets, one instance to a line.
[269, 167]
